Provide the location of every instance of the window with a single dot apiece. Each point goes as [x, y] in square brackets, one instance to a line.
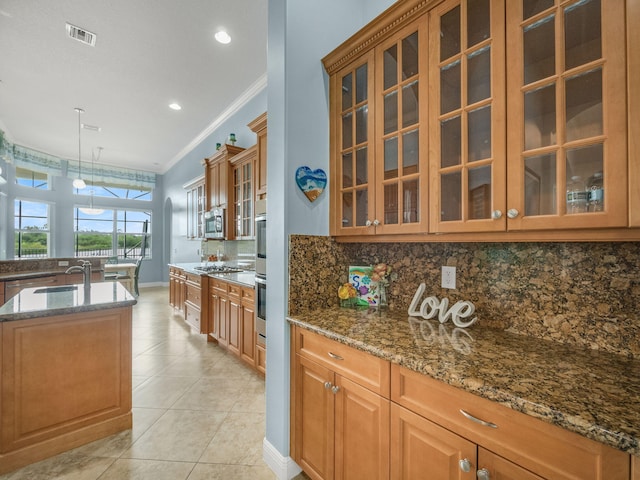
[121, 233]
[31, 178]
[141, 193]
[31, 229]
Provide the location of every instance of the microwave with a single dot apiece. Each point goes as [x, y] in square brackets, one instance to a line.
[214, 223]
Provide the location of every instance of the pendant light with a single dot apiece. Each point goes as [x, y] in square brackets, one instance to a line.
[79, 182]
[91, 210]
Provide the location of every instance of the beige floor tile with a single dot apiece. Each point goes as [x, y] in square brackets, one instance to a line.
[133, 469]
[203, 471]
[66, 466]
[219, 395]
[161, 392]
[237, 441]
[179, 435]
[147, 365]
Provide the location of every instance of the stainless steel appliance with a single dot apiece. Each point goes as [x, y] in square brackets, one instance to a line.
[214, 223]
[261, 273]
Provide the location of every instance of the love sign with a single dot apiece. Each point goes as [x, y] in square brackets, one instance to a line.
[431, 306]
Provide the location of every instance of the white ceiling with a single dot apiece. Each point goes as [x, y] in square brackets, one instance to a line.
[148, 53]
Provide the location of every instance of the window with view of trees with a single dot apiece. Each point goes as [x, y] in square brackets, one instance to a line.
[30, 178]
[31, 229]
[121, 233]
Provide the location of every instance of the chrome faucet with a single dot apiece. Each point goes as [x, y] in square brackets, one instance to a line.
[86, 272]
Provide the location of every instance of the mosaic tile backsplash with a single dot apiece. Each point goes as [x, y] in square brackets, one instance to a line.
[581, 293]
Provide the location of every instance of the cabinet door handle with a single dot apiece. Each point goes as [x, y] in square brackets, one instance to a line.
[465, 465]
[483, 474]
[477, 420]
[368, 223]
[512, 213]
[496, 214]
[327, 385]
[335, 389]
[376, 222]
[335, 357]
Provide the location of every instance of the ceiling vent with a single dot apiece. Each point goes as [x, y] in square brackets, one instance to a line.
[81, 35]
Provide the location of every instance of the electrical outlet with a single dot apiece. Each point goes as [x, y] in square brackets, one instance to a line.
[63, 263]
[449, 277]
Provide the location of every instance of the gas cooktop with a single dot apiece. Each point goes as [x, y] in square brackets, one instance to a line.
[218, 269]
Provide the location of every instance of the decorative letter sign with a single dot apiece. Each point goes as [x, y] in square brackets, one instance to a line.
[431, 306]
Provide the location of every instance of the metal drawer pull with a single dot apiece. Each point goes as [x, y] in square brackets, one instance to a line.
[335, 389]
[483, 474]
[335, 357]
[465, 465]
[477, 420]
[327, 385]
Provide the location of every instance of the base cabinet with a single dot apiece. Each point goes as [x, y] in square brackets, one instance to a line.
[341, 427]
[346, 425]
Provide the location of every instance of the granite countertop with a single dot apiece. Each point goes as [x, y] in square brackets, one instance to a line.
[595, 394]
[48, 301]
[244, 278]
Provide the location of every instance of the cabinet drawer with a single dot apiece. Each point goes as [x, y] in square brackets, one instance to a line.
[545, 449]
[194, 296]
[248, 295]
[217, 286]
[235, 291]
[365, 369]
[194, 279]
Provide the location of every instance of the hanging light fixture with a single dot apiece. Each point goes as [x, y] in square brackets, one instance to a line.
[79, 182]
[91, 210]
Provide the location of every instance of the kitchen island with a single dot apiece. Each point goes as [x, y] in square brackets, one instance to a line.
[587, 392]
[66, 369]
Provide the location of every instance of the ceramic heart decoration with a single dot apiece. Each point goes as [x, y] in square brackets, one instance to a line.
[311, 182]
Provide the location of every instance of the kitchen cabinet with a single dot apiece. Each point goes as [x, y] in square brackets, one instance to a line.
[193, 306]
[217, 176]
[235, 319]
[177, 280]
[259, 127]
[243, 175]
[432, 420]
[340, 410]
[219, 312]
[248, 345]
[420, 142]
[195, 207]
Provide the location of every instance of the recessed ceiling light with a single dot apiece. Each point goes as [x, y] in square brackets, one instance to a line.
[223, 37]
[175, 106]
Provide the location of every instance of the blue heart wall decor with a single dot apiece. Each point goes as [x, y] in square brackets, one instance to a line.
[311, 182]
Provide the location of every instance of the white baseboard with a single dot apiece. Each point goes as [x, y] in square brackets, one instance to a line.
[283, 467]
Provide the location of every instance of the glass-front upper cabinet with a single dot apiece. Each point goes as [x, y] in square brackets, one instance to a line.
[352, 137]
[567, 145]
[467, 116]
[401, 134]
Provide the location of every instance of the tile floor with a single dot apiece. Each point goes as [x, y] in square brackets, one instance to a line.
[198, 413]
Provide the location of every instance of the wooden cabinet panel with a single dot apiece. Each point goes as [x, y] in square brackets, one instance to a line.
[367, 370]
[259, 126]
[248, 342]
[500, 468]
[241, 210]
[419, 446]
[217, 176]
[545, 449]
[314, 412]
[261, 358]
[234, 325]
[361, 432]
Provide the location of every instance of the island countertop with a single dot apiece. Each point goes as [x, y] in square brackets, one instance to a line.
[65, 299]
[595, 394]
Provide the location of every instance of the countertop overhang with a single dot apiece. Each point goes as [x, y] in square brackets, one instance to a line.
[595, 394]
[30, 303]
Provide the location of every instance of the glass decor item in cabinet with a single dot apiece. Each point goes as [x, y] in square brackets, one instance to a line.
[467, 116]
[400, 175]
[566, 97]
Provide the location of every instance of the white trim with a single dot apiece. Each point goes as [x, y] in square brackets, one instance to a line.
[240, 102]
[283, 467]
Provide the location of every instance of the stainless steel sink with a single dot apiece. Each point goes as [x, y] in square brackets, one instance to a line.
[61, 288]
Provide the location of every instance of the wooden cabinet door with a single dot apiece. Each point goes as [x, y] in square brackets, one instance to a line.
[422, 449]
[467, 116]
[401, 107]
[498, 468]
[361, 432]
[352, 156]
[567, 114]
[248, 342]
[234, 319]
[314, 415]
[214, 316]
[223, 323]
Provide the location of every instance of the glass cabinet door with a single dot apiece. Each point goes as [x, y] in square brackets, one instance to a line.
[353, 173]
[401, 177]
[467, 116]
[567, 141]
